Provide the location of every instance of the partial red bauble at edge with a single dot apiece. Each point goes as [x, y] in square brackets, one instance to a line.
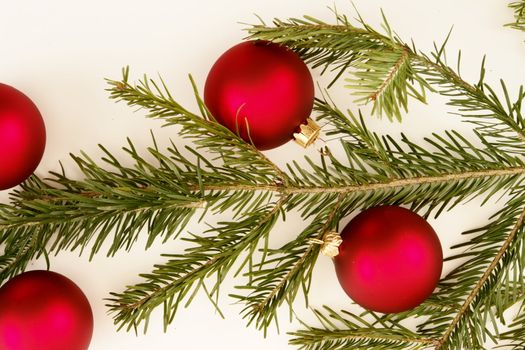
[22, 137]
[261, 91]
[43, 310]
[390, 259]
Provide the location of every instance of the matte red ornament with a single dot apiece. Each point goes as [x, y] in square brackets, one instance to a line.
[266, 86]
[22, 137]
[390, 259]
[43, 310]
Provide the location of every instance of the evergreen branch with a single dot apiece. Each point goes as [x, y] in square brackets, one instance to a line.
[171, 282]
[128, 198]
[481, 299]
[383, 73]
[517, 227]
[488, 282]
[519, 15]
[488, 278]
[501, 123]
[64, 214]
[350, 331]
[495, 262]
[164, 198]
[485, 284]
[402, 191]
[202, 130]
[272, 277]
[397, 68]
[383, 81]
[367, 51]
[288, 269]
[375, 160]
[387, 185]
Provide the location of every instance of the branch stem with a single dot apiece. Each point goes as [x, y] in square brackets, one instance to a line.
[291, 190]
[376, 337]
[303, 258]
[373, 187]
[400, 62]
[232, 253]
[481, 282]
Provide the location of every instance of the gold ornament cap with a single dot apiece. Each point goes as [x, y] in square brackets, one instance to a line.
[329, 244]
[308, 134]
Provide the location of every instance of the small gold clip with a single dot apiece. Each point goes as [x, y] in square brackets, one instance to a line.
[308, 134]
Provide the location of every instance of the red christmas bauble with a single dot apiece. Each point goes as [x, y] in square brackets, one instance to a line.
[264, 85]
[22, 137]
[46, 311]
[390, 259]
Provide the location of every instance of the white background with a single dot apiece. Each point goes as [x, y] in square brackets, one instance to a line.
[59, 52]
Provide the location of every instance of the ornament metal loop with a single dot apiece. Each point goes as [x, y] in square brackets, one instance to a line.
[329, 244]
[308, 134]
